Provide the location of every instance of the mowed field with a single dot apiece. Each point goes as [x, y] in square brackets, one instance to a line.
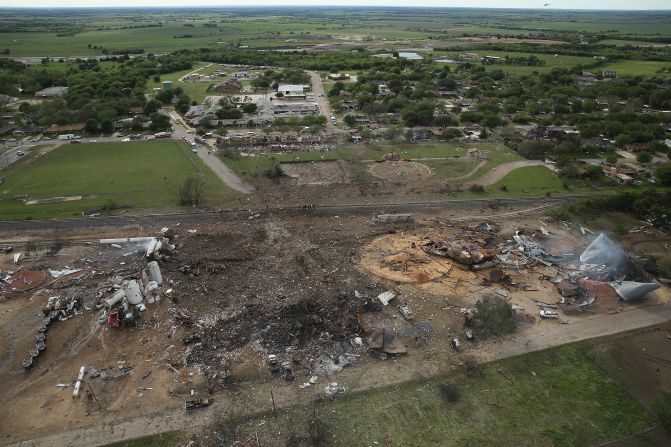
[141, 175]
[647, 68]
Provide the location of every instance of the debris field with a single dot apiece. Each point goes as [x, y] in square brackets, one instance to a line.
[164, 318]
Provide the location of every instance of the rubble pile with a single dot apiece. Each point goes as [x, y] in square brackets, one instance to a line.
[55, 310]
[469, 251]
[603, 268]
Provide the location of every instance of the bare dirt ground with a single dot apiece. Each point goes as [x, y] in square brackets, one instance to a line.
[317, 173]
[249, 287]
[508, 40]
[400, 170]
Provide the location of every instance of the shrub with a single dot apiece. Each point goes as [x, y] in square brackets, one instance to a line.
[476, 188]
[493, 316]
[191, 191]
[450, 392]
[471, 367]
[317, 431]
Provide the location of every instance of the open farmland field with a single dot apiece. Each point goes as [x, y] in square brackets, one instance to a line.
[133, 174]
[83, 33]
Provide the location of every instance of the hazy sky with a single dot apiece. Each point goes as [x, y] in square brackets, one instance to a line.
[558, 4]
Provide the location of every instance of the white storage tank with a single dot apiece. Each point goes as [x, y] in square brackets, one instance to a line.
[118, 296]
[155, 272]
[133, 293]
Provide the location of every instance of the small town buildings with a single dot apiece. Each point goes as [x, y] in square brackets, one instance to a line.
[293, 90]
[339, 77]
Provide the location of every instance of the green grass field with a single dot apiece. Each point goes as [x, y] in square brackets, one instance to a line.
[144, 175]
[557, 397]
[528, 181]
[197, 91]
[74, 33]
[647, 68]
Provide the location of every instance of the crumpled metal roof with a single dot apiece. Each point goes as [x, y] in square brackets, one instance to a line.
[632, 290]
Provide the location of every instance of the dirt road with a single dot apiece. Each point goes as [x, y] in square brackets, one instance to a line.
[322, 100]
[554, 335]
[522, 205]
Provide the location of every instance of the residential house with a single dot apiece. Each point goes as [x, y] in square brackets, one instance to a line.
[7, 99]
[66, 128]
[6, 130]
[51, 92]
[27, 130]
[339, 76]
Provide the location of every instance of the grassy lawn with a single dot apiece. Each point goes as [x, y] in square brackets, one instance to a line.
[143, 174]
[455, 165]
[530, 180]
[451, 168]
[196, 90]
[647, 68]
[557, 397]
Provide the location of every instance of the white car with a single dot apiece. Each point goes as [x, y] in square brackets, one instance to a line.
[126, 139]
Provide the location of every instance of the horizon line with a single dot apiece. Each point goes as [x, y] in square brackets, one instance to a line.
[322, 5]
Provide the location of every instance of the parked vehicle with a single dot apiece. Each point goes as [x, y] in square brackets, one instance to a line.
[191, 405]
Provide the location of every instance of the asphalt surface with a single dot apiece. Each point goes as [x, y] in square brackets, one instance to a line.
[207, 153]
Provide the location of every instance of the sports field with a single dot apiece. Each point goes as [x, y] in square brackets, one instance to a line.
[141, 175]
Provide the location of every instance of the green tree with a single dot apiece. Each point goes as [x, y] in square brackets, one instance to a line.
[107, 126]
[249, 108]
[663, 174]
[644, 157]
[160, 121]
[91, 126]
[452, 133]
[151, 106]
[350, 120]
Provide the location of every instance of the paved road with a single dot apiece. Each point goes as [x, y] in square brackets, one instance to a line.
[11, 155]
[205, 152]
[194, 71]
[322, 100]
